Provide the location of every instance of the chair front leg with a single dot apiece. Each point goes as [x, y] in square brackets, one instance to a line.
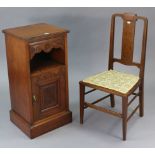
[112, 100]
[141, 100]
[124, 116]
[82, 100]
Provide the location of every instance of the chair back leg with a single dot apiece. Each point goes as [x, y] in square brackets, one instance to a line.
[112, 100]
[141, 100]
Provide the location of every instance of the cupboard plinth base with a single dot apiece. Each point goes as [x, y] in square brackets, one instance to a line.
[42, 126]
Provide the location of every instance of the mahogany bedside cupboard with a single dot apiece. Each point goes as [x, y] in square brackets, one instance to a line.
[37, 59]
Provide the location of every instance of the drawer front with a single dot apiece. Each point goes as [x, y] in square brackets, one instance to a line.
[46, 45]
[49, 93]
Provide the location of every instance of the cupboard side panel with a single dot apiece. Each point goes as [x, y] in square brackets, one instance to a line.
[19, 77]
[66, 73]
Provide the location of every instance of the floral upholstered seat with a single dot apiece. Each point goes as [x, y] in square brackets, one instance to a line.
[114, 80]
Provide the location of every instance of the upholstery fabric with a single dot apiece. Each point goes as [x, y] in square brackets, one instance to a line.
[114, 80]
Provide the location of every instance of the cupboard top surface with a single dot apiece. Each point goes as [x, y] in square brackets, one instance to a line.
[35, 32]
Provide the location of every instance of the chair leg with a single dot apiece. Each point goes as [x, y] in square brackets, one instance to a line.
[82, 91]
[124, 116]
[141, 100]
[112, 100]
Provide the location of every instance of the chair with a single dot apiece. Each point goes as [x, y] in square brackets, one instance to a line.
[119, 83]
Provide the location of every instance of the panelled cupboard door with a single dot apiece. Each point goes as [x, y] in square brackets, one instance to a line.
[48, 93]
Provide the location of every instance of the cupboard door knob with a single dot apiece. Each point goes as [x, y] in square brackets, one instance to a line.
[34, 98]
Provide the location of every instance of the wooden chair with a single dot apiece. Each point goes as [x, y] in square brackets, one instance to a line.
[119, 83]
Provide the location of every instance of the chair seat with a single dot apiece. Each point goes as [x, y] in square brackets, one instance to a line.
[113, 80]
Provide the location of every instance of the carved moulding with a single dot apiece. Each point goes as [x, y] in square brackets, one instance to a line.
[57, 41]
